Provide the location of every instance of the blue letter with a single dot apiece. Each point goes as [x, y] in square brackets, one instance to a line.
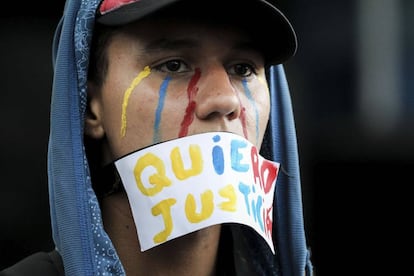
[236, 156]
[245, 190]
[218, 158]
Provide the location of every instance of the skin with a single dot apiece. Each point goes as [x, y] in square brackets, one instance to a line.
[231, 95]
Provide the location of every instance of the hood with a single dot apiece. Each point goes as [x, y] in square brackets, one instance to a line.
[77, 226]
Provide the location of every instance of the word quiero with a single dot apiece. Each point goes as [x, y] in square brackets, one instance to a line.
[183, 185]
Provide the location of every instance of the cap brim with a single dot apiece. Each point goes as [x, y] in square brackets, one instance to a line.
[278, 43]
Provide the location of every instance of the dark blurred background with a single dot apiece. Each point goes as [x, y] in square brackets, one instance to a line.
[352, 90]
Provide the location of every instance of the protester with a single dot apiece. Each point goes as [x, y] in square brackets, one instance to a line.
[159, 110]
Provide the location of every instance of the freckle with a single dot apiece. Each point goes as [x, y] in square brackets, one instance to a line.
[127, 226]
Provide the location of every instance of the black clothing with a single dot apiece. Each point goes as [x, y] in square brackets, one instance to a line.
[37, 264]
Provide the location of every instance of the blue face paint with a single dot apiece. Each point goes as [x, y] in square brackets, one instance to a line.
[158, 111]
[253, 103]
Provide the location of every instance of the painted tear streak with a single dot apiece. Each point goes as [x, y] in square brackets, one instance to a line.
[263, 81]
[253, 103]
[189, 111]
[143, 74]
[242, 117]
[158, 111]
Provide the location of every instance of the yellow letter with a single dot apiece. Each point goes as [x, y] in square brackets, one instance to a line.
[228, 192]
[207, 207]
[164, 208]
[178, 166]
[159, 180]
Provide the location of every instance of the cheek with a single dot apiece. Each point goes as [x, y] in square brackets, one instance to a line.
[257, 106]
[153, 114]
[263, 104]
[140, 116]
[169, 115]
[129, 121]
[263, 112]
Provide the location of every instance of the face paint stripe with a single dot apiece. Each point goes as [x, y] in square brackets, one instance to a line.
[189, 111]
[143, 74]
[163, 92]
[263, 81]
[242, 117]
[253, 103]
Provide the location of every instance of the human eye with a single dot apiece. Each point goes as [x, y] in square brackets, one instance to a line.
[243, 70]
[172, 66]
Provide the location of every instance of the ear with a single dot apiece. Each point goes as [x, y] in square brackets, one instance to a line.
[93, 116]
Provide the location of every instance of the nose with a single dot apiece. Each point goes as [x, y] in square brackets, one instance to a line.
[217, 96]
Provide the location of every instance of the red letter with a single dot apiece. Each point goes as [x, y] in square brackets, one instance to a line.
[271, 169]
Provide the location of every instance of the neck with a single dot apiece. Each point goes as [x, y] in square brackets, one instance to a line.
[192, 254]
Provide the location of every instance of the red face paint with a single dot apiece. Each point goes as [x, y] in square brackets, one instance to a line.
[189, 111]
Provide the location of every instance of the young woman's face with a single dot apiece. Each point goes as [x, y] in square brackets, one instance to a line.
[169, 80]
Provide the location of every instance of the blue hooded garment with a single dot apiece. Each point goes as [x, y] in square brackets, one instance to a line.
[77, 226]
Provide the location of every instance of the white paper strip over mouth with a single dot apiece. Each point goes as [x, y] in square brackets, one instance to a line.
[183, 185]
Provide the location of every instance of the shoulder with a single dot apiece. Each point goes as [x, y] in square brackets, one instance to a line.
[40, 263]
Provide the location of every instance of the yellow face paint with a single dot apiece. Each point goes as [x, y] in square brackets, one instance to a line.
[262, 80]
[143, 74]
